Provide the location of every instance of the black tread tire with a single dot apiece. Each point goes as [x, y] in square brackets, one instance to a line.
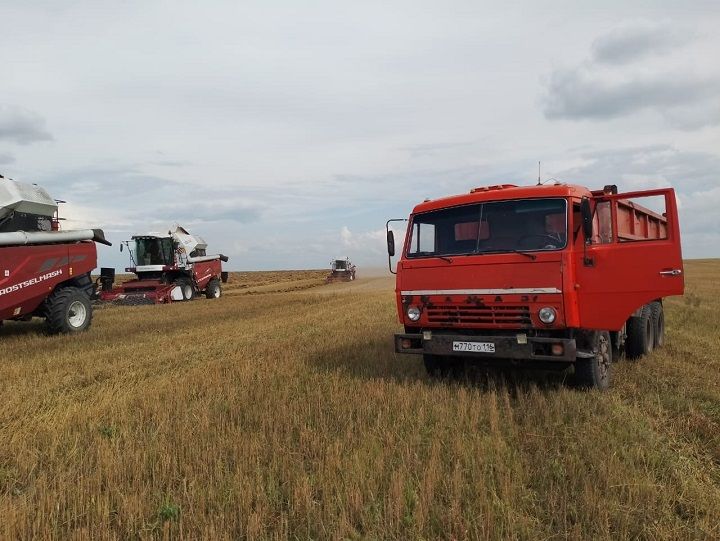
[184, 284]
[213, 290]
[596, 372]
[658, 320]
[640, 334]
[443, 366]
[618, 349]
[58, 310]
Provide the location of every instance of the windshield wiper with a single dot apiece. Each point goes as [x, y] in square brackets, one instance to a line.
[429, 254]
[511, 250]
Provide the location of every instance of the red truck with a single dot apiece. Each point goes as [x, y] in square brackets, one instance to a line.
[44, 272]
[553, 276]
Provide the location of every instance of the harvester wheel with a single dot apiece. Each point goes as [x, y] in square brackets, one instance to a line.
[658, 320]
[595, 372]
[213, 290]
[68, 310]
[640, 334]
[186, 287]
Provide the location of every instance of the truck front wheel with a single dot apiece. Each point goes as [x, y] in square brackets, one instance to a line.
[68, 310]
[595, 372]
[442, 366]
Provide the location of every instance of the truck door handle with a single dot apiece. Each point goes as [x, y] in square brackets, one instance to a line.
[673, 272]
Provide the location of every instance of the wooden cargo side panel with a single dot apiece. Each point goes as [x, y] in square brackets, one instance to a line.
[635, 222]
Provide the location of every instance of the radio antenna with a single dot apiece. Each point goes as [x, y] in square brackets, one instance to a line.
[539, 183]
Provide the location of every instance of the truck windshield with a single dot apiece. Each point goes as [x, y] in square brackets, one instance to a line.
[498, 226]
[154, 251]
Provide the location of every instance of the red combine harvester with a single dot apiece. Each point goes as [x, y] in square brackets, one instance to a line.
[546, 275]
[44, 272]
[341, 270]
[168, 267]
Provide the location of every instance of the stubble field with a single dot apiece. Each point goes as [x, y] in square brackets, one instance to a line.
[281, 411]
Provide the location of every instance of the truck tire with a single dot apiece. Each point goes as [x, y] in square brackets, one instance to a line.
[442, 366]
[658, 319]
[186, 286]
[68, 310]
[596, 372]
[213, 289]
[640, 334]
[618, 345]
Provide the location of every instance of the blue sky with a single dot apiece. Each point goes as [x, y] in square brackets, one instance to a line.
[287, 133]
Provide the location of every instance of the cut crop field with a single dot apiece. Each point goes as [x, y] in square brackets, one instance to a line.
[281, 411]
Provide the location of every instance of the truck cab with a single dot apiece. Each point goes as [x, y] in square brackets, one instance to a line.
[552, 275]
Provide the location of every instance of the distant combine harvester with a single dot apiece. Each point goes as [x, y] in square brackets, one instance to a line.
[341, 270]
[168, 267]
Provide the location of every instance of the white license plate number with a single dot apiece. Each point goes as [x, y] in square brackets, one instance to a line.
[474, 347]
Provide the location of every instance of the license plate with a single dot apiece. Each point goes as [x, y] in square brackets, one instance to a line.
[474, 347]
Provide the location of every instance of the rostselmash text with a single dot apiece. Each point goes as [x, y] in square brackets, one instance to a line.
[30, 282]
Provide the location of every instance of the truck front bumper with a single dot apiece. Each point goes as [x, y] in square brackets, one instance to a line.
[519, 347]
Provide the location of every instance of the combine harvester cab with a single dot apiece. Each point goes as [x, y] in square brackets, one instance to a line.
[44, 272]
[341, 270]
[168, 267]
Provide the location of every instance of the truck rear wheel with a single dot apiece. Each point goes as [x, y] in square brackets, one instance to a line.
[596, 372]
[68, 310]
[213, 290]
[658, 320]
[640, 334]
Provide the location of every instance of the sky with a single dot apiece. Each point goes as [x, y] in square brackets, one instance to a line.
[287, 133]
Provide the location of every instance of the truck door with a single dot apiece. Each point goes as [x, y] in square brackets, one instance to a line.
[633, 258]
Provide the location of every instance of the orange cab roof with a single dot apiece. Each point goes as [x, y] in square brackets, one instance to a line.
[502, 192]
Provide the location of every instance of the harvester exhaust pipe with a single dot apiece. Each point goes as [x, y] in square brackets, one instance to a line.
[107, 278]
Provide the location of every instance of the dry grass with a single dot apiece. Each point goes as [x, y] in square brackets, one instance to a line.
[287, 415]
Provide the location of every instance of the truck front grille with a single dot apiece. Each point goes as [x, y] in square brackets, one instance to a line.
[492, 316]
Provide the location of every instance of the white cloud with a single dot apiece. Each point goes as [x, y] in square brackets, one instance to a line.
[268, 127]
[22, 126]
[633, 40]
[638, 66]
[365, 242]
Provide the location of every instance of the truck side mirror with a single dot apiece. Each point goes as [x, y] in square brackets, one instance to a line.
[391, 243]
[587, 219]
[121, 247]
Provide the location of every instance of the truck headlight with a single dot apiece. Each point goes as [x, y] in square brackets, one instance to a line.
[413, 313]
[547, 315]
